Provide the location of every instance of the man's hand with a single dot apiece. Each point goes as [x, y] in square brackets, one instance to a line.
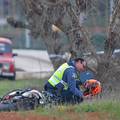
[88, 96]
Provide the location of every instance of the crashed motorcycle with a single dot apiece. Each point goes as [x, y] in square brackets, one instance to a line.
[26, 99]
[29, 99]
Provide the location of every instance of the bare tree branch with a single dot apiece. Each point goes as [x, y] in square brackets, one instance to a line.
[110, 43]
[16, 23]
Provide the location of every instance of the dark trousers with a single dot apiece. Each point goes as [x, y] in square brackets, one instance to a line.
[68, 97]
[50, 88]
[65, 95]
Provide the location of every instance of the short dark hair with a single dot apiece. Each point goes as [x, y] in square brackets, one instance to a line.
[79, 59]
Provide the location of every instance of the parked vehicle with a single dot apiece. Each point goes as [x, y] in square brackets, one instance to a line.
[7, 66]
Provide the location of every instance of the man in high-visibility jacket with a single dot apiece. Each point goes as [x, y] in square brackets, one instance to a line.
[63, 81]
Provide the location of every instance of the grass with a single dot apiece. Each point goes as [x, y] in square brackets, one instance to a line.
[7, 85]
[104, 109]
[101, 110]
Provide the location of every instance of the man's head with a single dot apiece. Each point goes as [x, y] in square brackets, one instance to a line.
[80, 64]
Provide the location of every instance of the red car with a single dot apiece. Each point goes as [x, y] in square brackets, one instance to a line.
[7, 63]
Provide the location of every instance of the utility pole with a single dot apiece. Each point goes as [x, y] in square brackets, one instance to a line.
[111, 8]
[27, 42]
[27, 36]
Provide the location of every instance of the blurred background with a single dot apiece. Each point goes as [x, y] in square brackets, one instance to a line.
[32, 60]
[21, 38]
[96, 22]
[33, 54]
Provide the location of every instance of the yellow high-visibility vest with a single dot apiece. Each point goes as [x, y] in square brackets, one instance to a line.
[58, 75]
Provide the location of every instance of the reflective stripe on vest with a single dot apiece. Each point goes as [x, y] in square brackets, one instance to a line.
[58, 75]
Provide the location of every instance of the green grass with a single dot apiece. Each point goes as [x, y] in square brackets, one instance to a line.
[7, 85]
[98, 106]
[104, 110]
